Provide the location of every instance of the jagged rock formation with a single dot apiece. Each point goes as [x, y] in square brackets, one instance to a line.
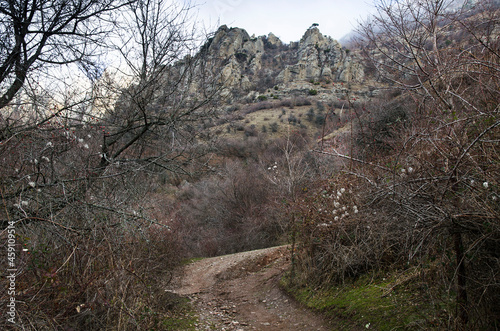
[322, 58]
[257, 63]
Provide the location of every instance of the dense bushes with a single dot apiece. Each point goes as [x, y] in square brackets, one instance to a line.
[264, 104]
[239, 207]
[227, 213]
[410, 212]
[92, 269]
[378, 127]
[422, 172]
[80, 261]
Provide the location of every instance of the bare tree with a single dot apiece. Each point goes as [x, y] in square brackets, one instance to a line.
[431, 194]
[451, 81]
[78, 170]
[36, 34]
[171, 88]
[145, 122]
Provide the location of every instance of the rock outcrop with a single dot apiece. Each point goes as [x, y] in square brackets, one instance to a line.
[255, 63]
[321, 58]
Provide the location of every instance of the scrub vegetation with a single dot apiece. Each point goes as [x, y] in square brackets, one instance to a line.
[388, 199]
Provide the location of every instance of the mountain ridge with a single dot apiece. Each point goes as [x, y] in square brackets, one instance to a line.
[250, 63]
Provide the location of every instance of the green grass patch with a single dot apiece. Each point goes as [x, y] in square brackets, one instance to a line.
[180, 323]
[378, 303]
[182, 317]
[192, 260]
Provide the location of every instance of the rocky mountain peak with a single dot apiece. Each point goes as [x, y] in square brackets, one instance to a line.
[273, 40]
[314, 37]
[228, 41]
[252, 63]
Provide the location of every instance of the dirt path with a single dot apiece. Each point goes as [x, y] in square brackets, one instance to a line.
[240, 292]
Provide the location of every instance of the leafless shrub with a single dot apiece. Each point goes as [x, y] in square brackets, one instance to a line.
[79, 167]
[432, 179]
[378, 125]
[286, 103]
[251, 131]
[87, 281]
[301, 101]
[258, 106]
[228, 212]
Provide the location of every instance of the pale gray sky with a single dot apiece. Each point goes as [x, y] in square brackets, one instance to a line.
[286, 19]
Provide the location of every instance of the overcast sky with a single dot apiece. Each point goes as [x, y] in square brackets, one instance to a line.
[286, 19]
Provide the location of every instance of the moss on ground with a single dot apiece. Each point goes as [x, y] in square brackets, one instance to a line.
[192, 260]
[393, 302]
[182, 317]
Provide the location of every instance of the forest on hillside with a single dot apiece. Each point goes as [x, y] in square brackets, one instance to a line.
[110, 181]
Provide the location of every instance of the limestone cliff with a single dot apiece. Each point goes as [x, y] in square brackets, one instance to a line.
[255, 63]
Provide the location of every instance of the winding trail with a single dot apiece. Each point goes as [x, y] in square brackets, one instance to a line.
[240, 292]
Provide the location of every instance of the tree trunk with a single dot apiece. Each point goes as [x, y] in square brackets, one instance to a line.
[462, 302]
